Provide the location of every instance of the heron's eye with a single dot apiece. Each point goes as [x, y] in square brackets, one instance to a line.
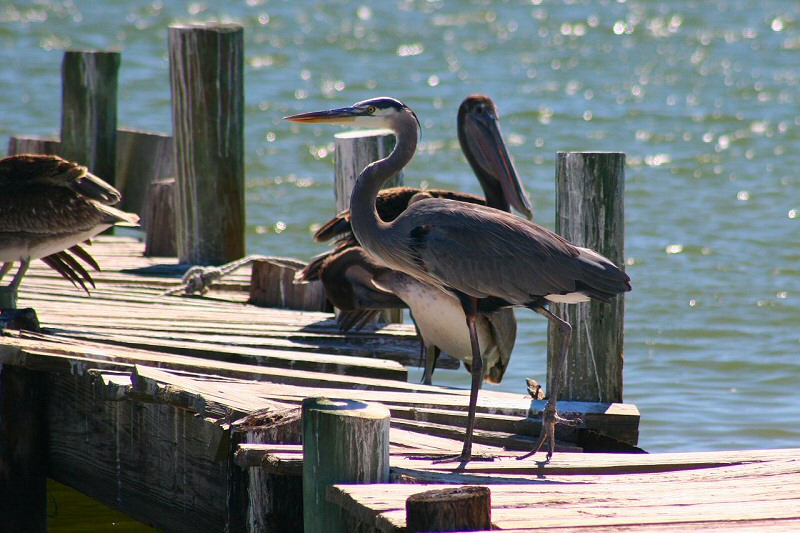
[371, 109]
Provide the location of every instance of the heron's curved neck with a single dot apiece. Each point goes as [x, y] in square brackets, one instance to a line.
[365, 221]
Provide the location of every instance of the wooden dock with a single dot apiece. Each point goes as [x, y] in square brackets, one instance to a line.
[755, 490]
[184, 413]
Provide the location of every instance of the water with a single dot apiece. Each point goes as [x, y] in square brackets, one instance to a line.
[702, 96]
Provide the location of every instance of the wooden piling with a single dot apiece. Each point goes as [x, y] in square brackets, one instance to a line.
[89, 110]
[467, 508]
[159, 214]
[142, 158]
[344, 441]
[8, 297]
[590, 213]
[207, 81]
[272, 285]
[31, 144]
[354, 150]
[23, 450]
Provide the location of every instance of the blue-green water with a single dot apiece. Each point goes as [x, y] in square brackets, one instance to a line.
[704, 97]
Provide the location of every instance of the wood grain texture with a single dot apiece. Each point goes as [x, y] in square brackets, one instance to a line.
[710, 488]
[344, 441]
[142, 158]
[467, 508]
[159, 219]
[207, 81]
[89, 110]
[590, 213]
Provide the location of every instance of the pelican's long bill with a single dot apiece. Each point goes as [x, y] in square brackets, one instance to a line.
[481, 131]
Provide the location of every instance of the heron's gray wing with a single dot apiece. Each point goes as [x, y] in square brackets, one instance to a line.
[484, 252]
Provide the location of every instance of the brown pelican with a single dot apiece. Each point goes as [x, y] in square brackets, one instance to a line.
[359, 298]
[487, 258]
[50, 206]
[359, 286]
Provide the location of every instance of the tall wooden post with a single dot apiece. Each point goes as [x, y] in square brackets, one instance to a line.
[207, 80]
[354, 150]
[89, 110]
[344, 441]
[23, 450]
[590, 213]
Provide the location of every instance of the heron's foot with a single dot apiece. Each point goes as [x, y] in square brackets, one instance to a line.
[550, 418]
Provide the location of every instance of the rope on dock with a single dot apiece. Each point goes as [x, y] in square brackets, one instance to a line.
[199, 279]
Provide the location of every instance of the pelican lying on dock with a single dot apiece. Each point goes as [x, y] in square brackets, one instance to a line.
[439, 317]
[49, 207]
[488, 259]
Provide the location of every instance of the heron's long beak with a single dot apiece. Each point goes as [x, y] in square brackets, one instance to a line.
[343, 115]
[482, 134]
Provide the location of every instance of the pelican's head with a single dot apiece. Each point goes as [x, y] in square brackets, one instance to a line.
[381, 112]
[485, 149]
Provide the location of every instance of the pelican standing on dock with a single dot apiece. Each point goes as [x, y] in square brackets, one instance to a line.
[487, 258]
[48, 207]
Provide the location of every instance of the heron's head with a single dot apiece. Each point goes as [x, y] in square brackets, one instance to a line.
[381, 112]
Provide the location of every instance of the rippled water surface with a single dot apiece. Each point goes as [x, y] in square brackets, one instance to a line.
[702, 97]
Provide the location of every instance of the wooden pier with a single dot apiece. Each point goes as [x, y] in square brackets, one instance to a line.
[184, 413]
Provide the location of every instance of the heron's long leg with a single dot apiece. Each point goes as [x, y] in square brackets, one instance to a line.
[23, 267]
[5, 268]
[550, 415]
[470, 306]
[471, 312]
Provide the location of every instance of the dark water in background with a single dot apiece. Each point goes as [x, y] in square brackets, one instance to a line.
[702, 96]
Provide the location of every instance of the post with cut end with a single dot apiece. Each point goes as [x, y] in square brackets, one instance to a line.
[466, 508]
[207, 81]
[33, 144]
[590, 213]
[344, 441]
[354, 150]
[272, 285]
[89, 110]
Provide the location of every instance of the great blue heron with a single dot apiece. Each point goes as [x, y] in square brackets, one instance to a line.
[487, 258]
[438, 315]
[49, 207]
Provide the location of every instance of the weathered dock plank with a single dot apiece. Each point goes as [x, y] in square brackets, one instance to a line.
[663, 489]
